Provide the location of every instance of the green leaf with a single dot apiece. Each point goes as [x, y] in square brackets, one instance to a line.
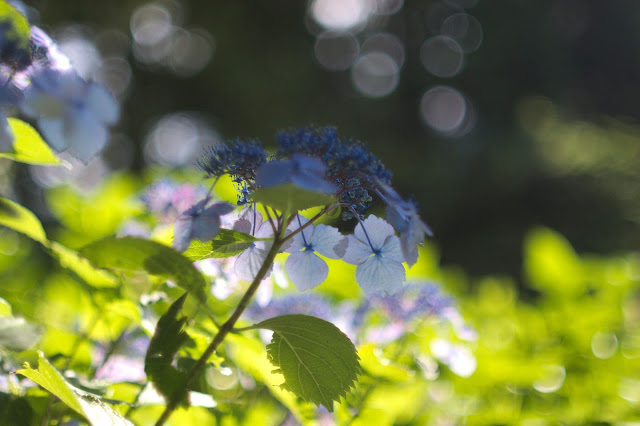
[226, 244]
[289, 198]
[18, 335]
[19, 30]
[319, 363]
[20, 219]
[28, 146]
[131, 254]
[164, 345]
[72, 260]
[94, 410]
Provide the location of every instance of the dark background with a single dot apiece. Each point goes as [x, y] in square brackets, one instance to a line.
[480, 191]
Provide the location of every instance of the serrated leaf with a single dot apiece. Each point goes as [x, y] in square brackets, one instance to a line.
[289, 198]
[131, 254]
[164, 345]
[16, 334]
[28, 145]
[94, 410]
[226, 244]
[20, 219]
[318, 361]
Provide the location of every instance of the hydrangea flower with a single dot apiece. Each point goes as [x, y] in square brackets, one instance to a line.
[199, 222]
[6, 136]
[304, 267]
[403, 216]
[71, 113]
[300, 170]
[249, 261]
[376, 250]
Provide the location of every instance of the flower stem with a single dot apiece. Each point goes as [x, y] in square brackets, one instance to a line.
[225, 329]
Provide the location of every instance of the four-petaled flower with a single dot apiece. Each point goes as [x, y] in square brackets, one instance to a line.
[304, 267]
[199, 223]
[376, 250]
[72, 114]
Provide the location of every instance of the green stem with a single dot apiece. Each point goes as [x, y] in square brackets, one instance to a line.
[225, 329]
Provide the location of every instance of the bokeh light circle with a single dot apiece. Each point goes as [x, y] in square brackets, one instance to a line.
[442, 56]
[465, 29]
[444, 109]
[336, 51]
[375, 74]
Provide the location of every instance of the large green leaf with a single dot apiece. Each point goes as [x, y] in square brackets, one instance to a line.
[18, 29]
[289, 198]
[20, 219]
[226, 244]
[131, 254]
[319, 363]
[94, 410]
[72, 260]
[28, 145]
[164, 345]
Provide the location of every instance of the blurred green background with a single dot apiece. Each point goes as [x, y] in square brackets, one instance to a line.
[497, 115]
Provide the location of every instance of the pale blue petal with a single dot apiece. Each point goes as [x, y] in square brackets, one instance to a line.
[409, 249]
[86, 135]
[274, 173]
[249, 262]
[182, 233]
[242, 225]
[6, 137]
[391, 249]
[219, 209]
[377, 229]
[102, 103]
[297, 242]
[53, 131]
[306, 270]
[329, 242]
[380, 275]
[357, 251]
[205, 227]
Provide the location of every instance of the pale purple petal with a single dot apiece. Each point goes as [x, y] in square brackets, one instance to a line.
[102, 103]
[380, 275]
[6, 137]
[391, 249]
[357, 251]
[329, 242]
[53, 131]
[86, 135]
[249, 262]
[377, 229]
[297, 242]
[306, 270]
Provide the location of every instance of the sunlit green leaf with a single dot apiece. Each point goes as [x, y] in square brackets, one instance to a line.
[226, 244]
[16, 334]
[131, 254]
[290, 198]
[20, 219]
[5, 308]
[164, 345]
[318, 361]
[18, 31]
[94, 410]
[72, 260]
[28, 145]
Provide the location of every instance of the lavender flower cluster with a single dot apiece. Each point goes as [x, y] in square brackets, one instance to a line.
[319, 161]
[38, 80]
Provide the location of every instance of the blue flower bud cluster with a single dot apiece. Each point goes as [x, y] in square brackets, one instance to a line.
[240, 159]
[351, 167]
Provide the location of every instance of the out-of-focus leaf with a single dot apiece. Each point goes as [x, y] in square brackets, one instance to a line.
[20, 219]
[226, 244]
[164, 345]
[18, 335]
[28, 146]
[318, 361]
[72, 260]
[131, 254]
[94, 410]
[289, 198]
[5, 308]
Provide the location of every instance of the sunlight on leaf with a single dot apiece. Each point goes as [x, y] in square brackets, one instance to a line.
[290, 198]
[28, 146]
[226, 244]
[20, 219]
[131, 254]
[319, 363]
[95, 411]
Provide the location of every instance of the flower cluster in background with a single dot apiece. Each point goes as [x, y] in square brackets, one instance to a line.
[38, 80]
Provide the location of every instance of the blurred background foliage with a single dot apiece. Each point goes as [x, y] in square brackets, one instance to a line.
[498, 116]
[515, 124]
